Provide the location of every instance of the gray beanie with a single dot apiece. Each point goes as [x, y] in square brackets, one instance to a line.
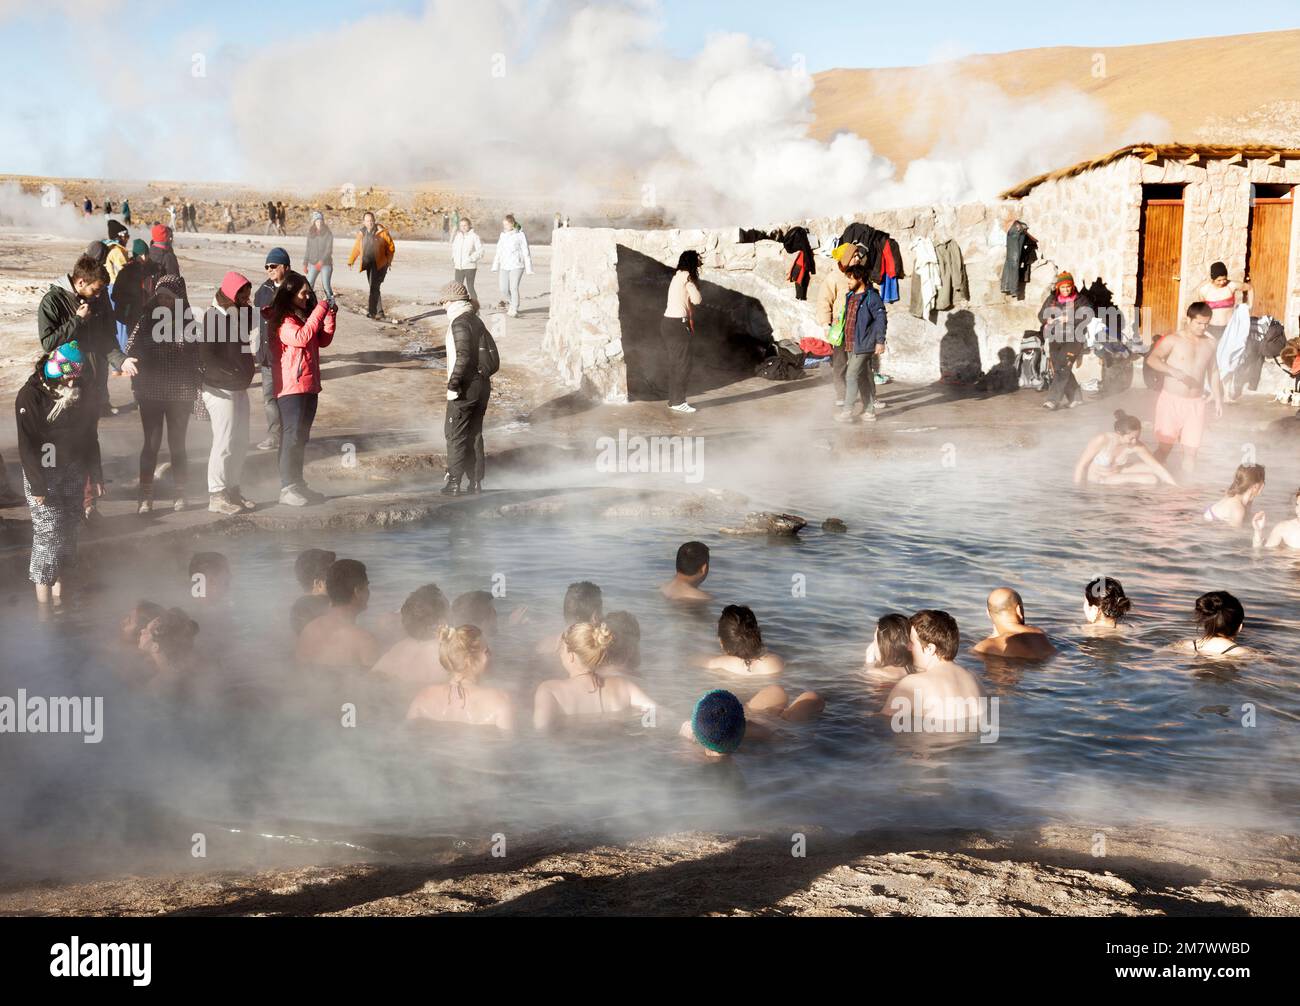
[453, 292]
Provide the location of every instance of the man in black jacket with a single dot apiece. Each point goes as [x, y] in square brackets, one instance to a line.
[471, 361]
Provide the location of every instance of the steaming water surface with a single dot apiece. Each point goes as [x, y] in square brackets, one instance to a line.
[1112, 729]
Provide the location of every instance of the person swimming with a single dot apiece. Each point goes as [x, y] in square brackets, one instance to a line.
[583, 602]
[477, 608]
[889, 654]
[1220, 617]
[588, 690]
[692, 569]
[1011, 637]
[1104, 603]
[465, 657]
[720, 722]
[624, 655]
[168, 644]
[1120, 457]
[416, 659]
[1232, 509]
[1285, 532]
[310, 570]
[742, 646]
[938, 691]
[334, 640]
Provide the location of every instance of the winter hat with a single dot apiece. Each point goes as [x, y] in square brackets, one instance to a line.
[138, 247]
[65, 361]
[842, 250]
[277, 256]
[1063, 277]
[159, 234]
[718, 721]
[233, 282]
[453, 292]
[317, 215]
[117, 230]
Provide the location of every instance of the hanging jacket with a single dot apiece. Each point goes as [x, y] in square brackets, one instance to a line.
[953, 286]
[925, 277]
[72, 435]
[296, 349]
[1020, 255]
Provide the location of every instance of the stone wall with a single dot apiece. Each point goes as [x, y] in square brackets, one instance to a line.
[1087, 224]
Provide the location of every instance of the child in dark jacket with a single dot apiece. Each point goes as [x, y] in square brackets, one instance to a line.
[865, 323]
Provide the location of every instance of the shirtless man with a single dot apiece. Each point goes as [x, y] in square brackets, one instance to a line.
[415, 659]
[938, 689]
[1220, 296]
[334, 640]
[1186, 358]
[1285, 532]
[692, 568]
[1011, 636]
[583, 602]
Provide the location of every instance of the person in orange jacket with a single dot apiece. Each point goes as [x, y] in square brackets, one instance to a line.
[374, 247]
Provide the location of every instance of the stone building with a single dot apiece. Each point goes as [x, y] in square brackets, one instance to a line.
[1138, 228]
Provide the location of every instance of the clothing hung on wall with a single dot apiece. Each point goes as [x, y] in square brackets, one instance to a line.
[1021, 253]
[925, 277]
[953, 286]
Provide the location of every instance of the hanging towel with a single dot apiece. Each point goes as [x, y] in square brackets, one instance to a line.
[1232, 344]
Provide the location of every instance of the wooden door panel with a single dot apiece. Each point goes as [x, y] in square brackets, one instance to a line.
[1162, 253]
[1270, 251]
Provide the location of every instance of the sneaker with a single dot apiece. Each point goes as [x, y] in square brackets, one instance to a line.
[512, 313]
[881, 378]
[179, 503]
[238, 497]
[1050, 406]
[839, 403]
[684, 408]
[269, 444]
[844, 416]
[223, 504]
[291, 496]
[145, 504]
[868, 417]
[881, 404]
[92, 514]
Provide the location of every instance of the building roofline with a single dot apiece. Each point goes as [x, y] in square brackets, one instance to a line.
[1188, 153]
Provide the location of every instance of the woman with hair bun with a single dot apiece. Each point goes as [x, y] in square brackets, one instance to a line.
[1247, 484]
[1105, 604]
[1120, 458]
[1219, 616]
[585, 649]
[464, 655]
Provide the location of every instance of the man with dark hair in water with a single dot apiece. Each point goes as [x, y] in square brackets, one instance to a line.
[1186, 359]
[415, 659]
[310, 568]
[692, 568]
[334, 640]
[1011, 637]
[583, 602]
[938, 691]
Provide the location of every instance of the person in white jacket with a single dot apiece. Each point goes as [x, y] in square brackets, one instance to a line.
[466, 250]
[511, 262]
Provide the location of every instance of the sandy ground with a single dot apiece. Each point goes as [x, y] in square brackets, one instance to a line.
[383, 394]
[1050, 871]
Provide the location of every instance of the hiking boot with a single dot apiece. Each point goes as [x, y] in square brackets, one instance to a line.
[474, 488]
[450, 486]
[223, 504]
[269, 444]
[292, 496]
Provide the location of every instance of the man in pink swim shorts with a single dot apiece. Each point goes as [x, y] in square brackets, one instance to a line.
[1187, 360]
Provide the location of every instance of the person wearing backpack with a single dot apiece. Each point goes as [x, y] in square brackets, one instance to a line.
[472, 359]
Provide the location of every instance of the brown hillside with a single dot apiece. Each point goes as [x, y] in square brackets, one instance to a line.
[1222, 89]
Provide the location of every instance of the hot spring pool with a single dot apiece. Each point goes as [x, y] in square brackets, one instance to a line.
[1110, 730]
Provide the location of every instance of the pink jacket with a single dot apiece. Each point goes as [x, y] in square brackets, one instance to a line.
[296, 349]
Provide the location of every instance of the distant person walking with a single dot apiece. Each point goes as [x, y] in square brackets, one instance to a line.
[511, 262]
[375, 249]
[87, 207]
[281, 218]
[228, 218]
[166, 386]
[297, 332]
[677, 327]
[472, 359]
[59, 449]
[270, 216]
[466, 250]
[126, 212]
[227, 368]
[318, 259]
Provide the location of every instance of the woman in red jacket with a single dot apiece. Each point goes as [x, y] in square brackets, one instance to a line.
[296, 338]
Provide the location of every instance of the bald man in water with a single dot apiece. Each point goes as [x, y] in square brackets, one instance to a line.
[1011, 636]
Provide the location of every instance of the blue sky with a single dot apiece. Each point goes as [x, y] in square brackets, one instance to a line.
[60, 61]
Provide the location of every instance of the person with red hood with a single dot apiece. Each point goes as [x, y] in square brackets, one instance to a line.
[160, 250]
[296, 336]
[227, 366]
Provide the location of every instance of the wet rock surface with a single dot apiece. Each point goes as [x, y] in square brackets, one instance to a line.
[762, 522]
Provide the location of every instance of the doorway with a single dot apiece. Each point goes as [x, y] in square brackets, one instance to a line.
[1160, 251]
[1268, 249]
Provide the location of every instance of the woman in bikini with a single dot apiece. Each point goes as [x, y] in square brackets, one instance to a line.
[464, 655]
[742, 646]
[1247, 484]
[1104, 605]
[1220, 617]
[1120, 457]
[1220, 296]
[589, 690]
[889, 655]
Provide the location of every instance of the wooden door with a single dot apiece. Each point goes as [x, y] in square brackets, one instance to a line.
[1270, 251]
[1160, 267]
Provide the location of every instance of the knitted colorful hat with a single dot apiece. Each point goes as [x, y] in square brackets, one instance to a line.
[65, 361]
[138, 248]
[718, 721]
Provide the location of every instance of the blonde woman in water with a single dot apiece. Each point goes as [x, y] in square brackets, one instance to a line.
[464, 655]
[584, 653]
[1120, 457]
